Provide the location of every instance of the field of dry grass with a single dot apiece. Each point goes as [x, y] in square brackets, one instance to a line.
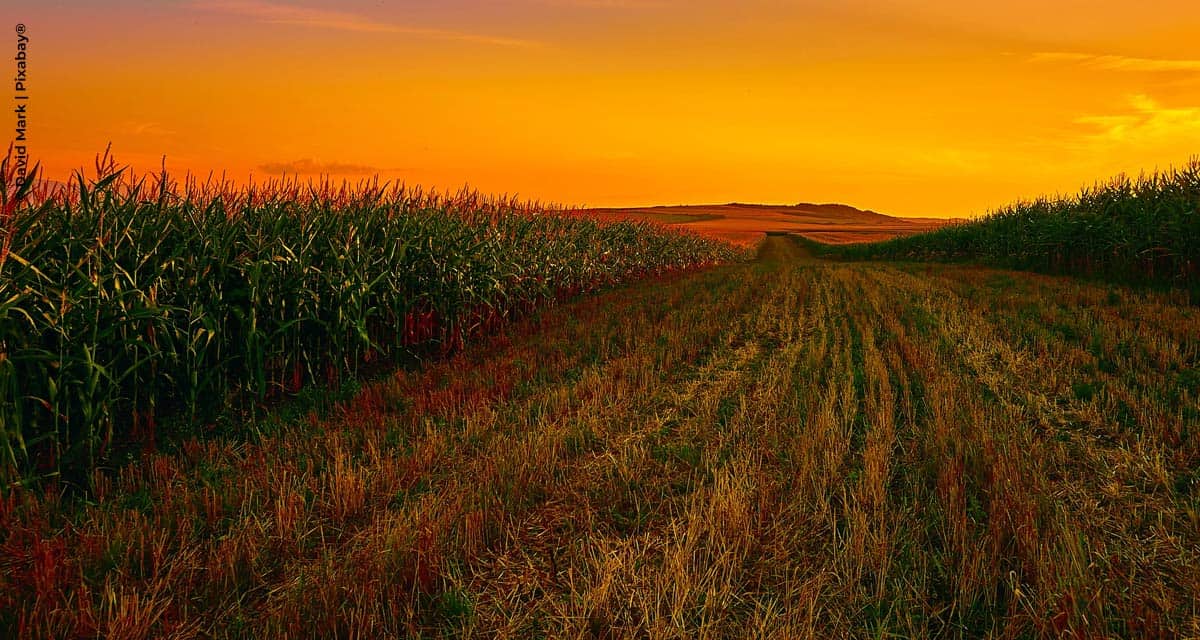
[747, 224]
[786, 448]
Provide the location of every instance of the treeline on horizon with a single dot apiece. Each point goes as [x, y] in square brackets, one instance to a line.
[1135, 231]
[124, 300]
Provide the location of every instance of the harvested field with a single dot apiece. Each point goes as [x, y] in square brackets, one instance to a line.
[784, 448]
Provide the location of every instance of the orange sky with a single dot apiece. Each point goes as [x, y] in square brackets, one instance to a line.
[941, 108]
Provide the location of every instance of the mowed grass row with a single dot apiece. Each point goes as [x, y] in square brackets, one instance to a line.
[1144, 230]
[126, 300]
[787, 448]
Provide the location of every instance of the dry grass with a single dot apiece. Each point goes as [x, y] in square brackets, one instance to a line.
[784, 449]
[746, 224]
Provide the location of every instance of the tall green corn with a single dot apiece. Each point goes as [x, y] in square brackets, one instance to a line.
[124, 300]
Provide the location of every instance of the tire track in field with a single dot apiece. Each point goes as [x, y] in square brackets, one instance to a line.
[697, 550]
[630, 449]
[635, 463]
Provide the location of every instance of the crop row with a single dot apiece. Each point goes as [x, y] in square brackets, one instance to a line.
[1144, 230]
[125, 299]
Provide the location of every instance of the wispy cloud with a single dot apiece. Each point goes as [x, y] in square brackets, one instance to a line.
[278, 13]
[311, 167]
[609, 4]
[1117, 63]
[1145, 121]
[146, 129]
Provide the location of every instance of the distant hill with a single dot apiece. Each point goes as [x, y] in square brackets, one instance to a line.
[747, 223]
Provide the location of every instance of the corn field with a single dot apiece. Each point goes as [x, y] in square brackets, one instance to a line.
[1138, 231]
[125, 299]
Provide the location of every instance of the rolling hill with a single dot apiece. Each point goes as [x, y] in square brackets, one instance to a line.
[747, 223]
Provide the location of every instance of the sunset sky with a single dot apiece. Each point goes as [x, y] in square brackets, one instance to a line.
[938, 108]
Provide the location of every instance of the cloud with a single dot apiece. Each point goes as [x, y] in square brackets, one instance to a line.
[1145, 121]
[309, 166]
[609, 4]
[1117, 63]
[277, 13]
[146, 129]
